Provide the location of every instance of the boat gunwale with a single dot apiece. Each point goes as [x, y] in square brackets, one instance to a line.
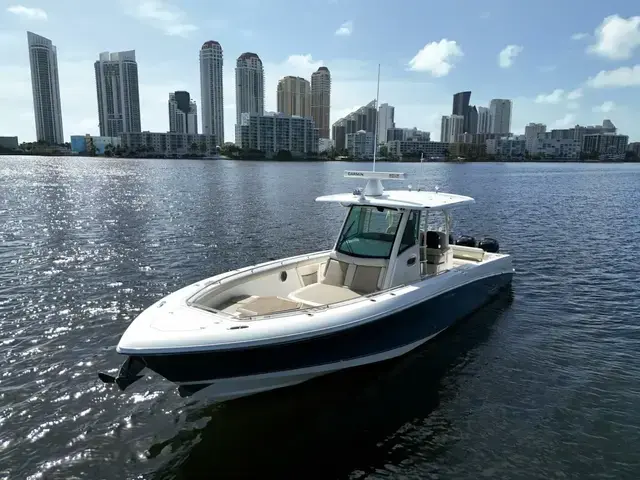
[316, 332]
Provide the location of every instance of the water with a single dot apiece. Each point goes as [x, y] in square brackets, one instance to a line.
[541, 384]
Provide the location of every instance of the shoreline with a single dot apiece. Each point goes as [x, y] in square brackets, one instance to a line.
[320, 160]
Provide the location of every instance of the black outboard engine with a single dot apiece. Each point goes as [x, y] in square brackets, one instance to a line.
[466, 241]
[451, 240]
[489, 245]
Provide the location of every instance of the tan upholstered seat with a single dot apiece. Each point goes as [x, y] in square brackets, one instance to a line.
[266, 306]
[365, 279]
[335, 272]
[322, 294]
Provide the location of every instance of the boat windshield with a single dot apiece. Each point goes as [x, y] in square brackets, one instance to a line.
[369, 232]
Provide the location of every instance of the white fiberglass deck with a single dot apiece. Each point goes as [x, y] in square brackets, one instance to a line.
[314, 288]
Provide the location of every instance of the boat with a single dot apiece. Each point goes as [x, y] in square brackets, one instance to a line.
[393, 280]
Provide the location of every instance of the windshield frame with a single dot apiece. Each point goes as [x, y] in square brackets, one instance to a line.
[348, 227]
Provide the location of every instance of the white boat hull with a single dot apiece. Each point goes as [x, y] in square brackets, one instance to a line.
[285, 350]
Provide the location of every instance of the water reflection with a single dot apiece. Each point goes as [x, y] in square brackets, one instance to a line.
[350, 423]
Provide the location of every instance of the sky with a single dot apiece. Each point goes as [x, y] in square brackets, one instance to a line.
[561, 62]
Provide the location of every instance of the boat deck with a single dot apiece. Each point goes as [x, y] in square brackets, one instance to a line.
[313, 295]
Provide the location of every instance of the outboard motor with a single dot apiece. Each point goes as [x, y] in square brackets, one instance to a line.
[466, 241]
[451, 240]
[489, 245]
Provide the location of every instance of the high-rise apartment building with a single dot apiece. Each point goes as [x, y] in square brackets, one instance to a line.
[605, 143]
[294, 96]
[183, 113]
[471, 120]
[212, 100]
[500, 116]
[321, 100]
[118, 93]
[249, 87]
[531, 132]
[451, 127]
[460, 103]
[364, 118]
[445, 128]
[456, 127]
[469, 112]
[43, 59]
[386, 120]
[273, 133]
[484, 121]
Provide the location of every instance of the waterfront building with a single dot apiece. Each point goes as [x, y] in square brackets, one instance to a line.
[183, 113]
[272, 133]
[45, 86]
[118, 93]
[211, 90]
[294, 96]
[321, 100]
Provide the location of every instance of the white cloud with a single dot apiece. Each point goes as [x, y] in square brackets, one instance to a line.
[547, 68]
[616, 37]
[569, 120]
[304, 65]
[573, 105]
[553, 98]
[436, 58]
[579, 36]
[26, 12]
[574, 94]
[345, 29]
[162, 15]
[606, 107]
[620, 77]
[485, 15]
[508, 54]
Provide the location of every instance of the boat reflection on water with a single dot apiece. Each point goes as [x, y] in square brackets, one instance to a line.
[335, 425]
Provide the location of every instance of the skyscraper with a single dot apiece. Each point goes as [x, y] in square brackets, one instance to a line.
[294, 96]
[183, 113]
[500, 116]
[212, 100]
[469, 112]
[460, 103]
[249, 85]
[386, 114]
[471, 120]
[484, 123]
[321, 100]
[451, 127]
[531, 132]
[43, 58]
[118, 93]
[445, 129]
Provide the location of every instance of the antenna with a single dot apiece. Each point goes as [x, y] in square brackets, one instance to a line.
[375, 128]
[421, 170]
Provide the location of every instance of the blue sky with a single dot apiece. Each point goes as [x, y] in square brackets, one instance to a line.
[565, 62]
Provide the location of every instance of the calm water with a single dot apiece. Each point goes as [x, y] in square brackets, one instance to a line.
[544, 383]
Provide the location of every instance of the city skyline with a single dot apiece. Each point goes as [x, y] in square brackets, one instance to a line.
[554, 80]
